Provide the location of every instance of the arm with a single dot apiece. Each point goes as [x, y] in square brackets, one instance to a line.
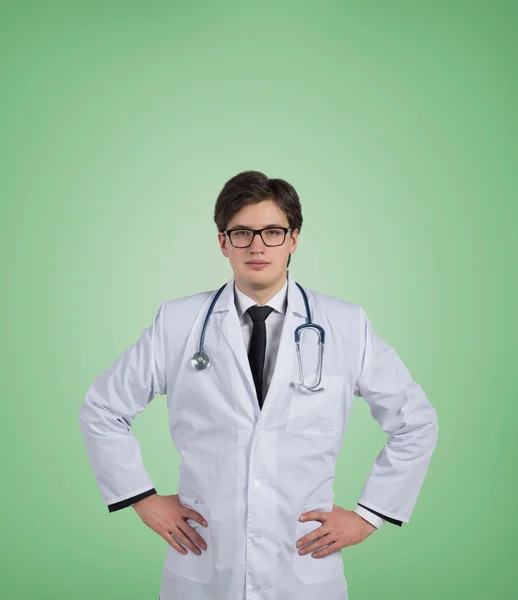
[400, 406]
[107, 412]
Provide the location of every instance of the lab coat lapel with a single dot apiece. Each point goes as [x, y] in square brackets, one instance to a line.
[231, 330]
[284, 362]
[286, 354]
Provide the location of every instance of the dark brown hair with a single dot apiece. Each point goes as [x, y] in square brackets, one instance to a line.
[251, 187]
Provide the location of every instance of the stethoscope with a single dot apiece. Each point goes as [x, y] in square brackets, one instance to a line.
[201, 360]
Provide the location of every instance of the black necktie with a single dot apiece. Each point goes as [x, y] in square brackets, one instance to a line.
[257, 349]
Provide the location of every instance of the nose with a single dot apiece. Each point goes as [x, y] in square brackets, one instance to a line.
[257, 242]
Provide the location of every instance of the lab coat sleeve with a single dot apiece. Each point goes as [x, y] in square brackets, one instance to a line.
[374, 517]
[130, 501]
[401, 407]
[109, 407]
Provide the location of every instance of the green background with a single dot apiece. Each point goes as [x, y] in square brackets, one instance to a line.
[395, 122]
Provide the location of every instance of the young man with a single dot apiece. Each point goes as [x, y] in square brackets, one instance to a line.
[258, 450]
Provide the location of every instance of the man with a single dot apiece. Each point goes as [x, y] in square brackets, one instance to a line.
[257, 449]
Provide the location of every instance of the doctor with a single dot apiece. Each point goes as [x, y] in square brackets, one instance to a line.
[254, 517]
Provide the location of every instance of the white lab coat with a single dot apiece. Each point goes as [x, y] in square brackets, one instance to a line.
[252, 472]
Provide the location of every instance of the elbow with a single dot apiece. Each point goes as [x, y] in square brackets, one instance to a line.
[427, 432]
[429, 427]
[93, 419]
[85, 415]
[434, 424]
[97, 418]
[417, 437]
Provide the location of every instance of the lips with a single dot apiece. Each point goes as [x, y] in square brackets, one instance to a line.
[257, 262]
[258, 266]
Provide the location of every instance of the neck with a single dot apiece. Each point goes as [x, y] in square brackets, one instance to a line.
[262, 295]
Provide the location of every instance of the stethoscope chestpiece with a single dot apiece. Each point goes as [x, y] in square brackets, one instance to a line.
[200, 361]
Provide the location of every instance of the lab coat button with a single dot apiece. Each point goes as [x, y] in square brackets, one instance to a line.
[257, 482]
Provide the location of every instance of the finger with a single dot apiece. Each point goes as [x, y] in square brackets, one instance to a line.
[188, 513]
[314, 545]
[313, 535]
[313, 515]
[169, 538]
[334, 547]
[186, 534]
[192, 534]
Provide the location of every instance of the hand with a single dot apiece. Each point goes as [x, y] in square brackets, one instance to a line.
[167, 516]
[340, 528]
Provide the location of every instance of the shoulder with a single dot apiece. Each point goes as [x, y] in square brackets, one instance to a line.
[334, 306]
[184, 306]
[342, 316]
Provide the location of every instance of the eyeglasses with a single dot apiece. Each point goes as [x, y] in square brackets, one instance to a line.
[271, 236]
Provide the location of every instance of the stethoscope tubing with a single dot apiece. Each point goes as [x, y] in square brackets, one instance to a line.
[201, 360]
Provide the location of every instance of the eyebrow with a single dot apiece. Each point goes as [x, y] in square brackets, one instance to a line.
[248, 226]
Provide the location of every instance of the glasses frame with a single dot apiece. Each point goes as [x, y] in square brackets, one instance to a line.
[255, 232]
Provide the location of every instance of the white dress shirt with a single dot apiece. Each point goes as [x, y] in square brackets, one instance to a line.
[273, 326]
[273, 323]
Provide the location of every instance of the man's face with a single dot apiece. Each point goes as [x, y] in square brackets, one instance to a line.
[257, 216]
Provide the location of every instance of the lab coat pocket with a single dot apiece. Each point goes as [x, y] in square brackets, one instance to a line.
[309, 569]
[316, 413]
[193, 566]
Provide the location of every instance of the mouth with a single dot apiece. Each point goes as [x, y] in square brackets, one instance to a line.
[257, 264]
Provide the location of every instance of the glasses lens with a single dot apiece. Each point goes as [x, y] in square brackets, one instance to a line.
[241, 237]
[273, 236]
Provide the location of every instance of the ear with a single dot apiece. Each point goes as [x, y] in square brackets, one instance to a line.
[222, 240]
[293, 240]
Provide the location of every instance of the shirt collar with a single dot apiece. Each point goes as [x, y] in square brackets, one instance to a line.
[278, 302]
